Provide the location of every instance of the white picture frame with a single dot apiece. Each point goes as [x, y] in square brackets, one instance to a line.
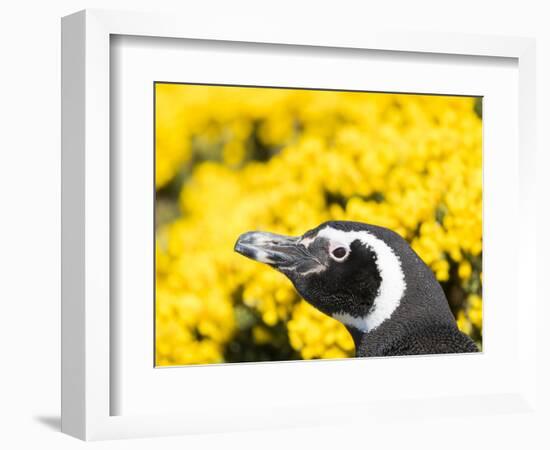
[88, 385]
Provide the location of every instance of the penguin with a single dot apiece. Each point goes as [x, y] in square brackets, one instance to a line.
[371, 280]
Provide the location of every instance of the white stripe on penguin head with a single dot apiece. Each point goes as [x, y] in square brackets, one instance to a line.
[392, 284]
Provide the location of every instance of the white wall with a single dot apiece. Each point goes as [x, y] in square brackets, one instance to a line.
[30, 187]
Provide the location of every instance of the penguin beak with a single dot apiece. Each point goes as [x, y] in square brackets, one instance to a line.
[284, 253]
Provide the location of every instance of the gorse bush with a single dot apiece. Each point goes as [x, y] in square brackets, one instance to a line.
[229, 160]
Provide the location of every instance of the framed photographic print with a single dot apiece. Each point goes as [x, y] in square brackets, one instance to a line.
[258, 222]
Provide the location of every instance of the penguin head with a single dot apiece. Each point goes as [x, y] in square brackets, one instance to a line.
[348, 270]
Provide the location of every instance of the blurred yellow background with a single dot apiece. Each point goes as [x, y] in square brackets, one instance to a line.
[234, 159]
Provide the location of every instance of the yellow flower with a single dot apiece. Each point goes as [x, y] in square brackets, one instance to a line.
[475, 310]
[261, 335]
[464, 270]
[463, 323]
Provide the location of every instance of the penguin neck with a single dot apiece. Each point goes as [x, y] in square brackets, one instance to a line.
[377, 341]
[374, 342]
[422, 304]
[411, 316]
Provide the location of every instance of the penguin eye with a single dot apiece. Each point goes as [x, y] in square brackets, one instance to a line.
[339, 252]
